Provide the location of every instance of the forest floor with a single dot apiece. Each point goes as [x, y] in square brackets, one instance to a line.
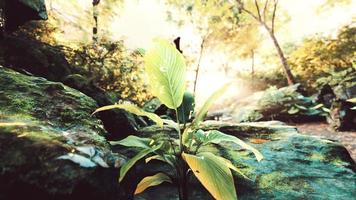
[347, 138]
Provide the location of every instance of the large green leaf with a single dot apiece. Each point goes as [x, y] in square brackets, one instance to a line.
[167, 158]
[128, 165]
[150, 181]
[213, 174]
[352, 100]
[208, 103]
[133, 109]
[134, 141]
[188, 133]
[171, 123]
[186, 108]
[217, 137]
[228, 164]
[165, 67]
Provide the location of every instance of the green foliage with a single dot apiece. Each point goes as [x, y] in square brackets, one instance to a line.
[319, 57]
[215, 176]
[208, 103]
[146, 147]
[134, 141]
[353, 100]
[186, 109]
[166, 69]
[108, 64]
[263, 79]
[166, 76]
[112, 67]
[288, 101]
[150, 181]
[217, 137]
[134, 110]
[281, 104]
[345, 78]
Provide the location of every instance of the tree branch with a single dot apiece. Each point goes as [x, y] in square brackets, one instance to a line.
[274, 14]
[258, 10]
[242, 7]
[265, 10]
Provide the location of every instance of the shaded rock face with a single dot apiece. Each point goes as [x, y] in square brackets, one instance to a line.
[34, 57]
[17, 12]
[342, 116]
[39, 59]
[295, 166]
[285, 104]
[41, 121]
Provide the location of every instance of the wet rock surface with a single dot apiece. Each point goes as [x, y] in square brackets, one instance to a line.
[323, 130]
[51, 148]
[284, 104]
[295, 166]
[41, 122]
[32, 57]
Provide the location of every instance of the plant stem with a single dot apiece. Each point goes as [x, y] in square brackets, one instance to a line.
[179, 134]
[181, 167]
[182, 180]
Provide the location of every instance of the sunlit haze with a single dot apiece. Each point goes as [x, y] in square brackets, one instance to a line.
[141, 21]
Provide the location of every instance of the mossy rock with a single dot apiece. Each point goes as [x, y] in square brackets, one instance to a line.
[295, 166]
[32, 57]
[40, 121]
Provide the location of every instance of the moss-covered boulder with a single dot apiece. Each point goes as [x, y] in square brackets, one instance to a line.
[50, 146]
[29, 56]
[295, 166]
[284, 104]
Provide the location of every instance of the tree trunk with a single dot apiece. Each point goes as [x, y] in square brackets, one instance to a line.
[198, 65]
[95, 16]
[252, 65]
[2, 18]
[285, 65]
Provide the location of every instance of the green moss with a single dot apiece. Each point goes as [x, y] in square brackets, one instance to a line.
[279, 181]
[339, 162]
[317, 156]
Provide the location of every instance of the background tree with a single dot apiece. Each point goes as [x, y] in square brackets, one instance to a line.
[321, 56]
[265, 12]
[239, 42]
[207, 18]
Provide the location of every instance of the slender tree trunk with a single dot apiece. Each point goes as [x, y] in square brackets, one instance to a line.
[182, 179]
[95, 16]
[2, 19]
[198, 65]
[2, 31]
[260, 17]
[286, 68]
[252, 65]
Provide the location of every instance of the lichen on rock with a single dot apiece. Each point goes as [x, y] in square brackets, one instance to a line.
[41, 121]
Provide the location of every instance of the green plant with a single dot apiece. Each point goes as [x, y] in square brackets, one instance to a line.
[165, 67]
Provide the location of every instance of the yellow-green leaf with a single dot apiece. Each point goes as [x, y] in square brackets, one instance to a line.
[214, 176]
[150, 181]
[12, 124]
[217, 137]
[166, 69]
[167, 158]
[352, 100]
[134, 110]
[134, 141]
[208, 103]
[228, 164]
[128, 165]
